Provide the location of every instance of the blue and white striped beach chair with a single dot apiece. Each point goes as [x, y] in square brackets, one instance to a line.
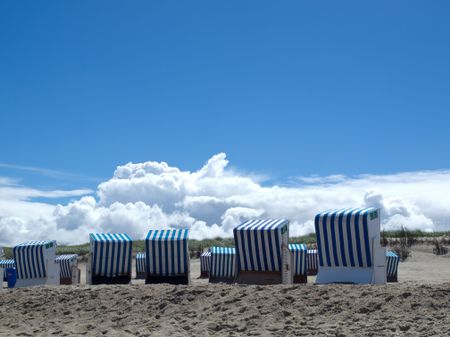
[392, 262]
[68, 271]
[299, 269]
[312, 261]
[35, 263]
[262, 252]
[349, 246]
[141, 272]
[205, 261]
[109, 259]
[6, 264]
[167, 256]
[223, 265]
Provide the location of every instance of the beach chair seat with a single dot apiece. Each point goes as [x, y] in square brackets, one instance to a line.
[205, 262]
[223, 265]
[167, 256]
[141, 272]
[392, 262]
[349, 246]
[109, 259]
[35, 264]
[6, 264]
[299, 268]
[68, 268]
[262, 252]
[312, 262]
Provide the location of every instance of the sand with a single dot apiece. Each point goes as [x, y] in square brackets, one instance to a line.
[419, 305]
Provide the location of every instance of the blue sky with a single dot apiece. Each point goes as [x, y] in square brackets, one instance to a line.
[341, 103]
[297, 88]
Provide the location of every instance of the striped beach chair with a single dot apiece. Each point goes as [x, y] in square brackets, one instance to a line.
[205, 261]
[141, 272]
[68, 269]
[262, 252]
[312, 261]
[6, 264]
[109, 259]
[223, 265]
[35, 263]
[167, 256]
[299, 268]
[392, 262]
[349, 246]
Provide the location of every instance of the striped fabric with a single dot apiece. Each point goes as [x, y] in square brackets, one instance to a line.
[167, 252]
[342, 237]
[258, 244]
[140, 263]
[6, 264]
[392, 261]
[223, 262]
[29, 257]
[299, 253]
[111, 254]
[205, 261]
[312, 260]
[65, 264]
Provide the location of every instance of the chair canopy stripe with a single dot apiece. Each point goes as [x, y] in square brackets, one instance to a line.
[312, 260]
[223, 262]
[65, 264]
[140, 263]
[7, 264]
[111, 254]
[299, 252]
[258, 244]
[343, 237]
[167, 252]
[392, 261]
[29, 257]
[205, 261]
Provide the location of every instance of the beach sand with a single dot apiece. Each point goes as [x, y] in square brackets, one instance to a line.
[419, 305]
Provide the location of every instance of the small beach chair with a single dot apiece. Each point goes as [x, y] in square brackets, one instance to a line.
[312, 261]
[141, 272]
[167, 256]
[349, 246]
[109, 259]
[223, 265]
[35, 264]
[299, 269]
[68, 269]
[6, 264]
[205, 261]
[262, 252]
[392, 262]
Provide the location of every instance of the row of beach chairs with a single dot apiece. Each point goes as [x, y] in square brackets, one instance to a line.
[348, 251]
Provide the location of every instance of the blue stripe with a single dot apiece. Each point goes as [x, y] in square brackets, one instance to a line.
[317, 228]
[112, 256]
[325, 236]
[153, 271]
[341, 238]
[349, 238]
[358, 242]
[258, 258]
[366, 240]
[172, 252]
[333, 238]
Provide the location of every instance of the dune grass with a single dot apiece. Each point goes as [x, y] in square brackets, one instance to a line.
[196, 246]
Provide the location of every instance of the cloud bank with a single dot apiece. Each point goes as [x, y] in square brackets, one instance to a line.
[214, 199]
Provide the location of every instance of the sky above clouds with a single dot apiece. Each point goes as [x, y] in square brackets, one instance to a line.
[316, 105]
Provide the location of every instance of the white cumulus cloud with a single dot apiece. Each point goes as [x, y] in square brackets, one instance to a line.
[214, 199]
